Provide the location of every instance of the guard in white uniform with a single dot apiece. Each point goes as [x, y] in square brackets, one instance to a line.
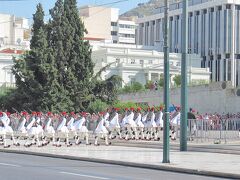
[151, 125]
[70, 125]
[62, 130]
[82, 131]
[114, 126]
[3, 130]
[21, 128]
[139, 124]
[49, 129]
[9, 130]
[33, 132]
[106, 117]
[130, 125]
[175, 123]
[101, 130]
[124, 119]
[39, 121]
[159, 123]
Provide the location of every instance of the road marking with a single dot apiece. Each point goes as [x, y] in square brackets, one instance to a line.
[84, 175]
[6, 164]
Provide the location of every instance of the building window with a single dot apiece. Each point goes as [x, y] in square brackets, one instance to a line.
[228, 6]
[133, 80]
[238, 7]
[115, 41]
[132, 61]
[118, 60]
[127, 35]
[113, 23]
[114, 33]
[150, 61]
[127, 26]
[141, 61]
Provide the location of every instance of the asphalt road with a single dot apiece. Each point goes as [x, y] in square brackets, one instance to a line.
[27, 167]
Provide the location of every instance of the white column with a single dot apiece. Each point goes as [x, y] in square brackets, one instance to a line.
[200, 32]
[192, 32]
[143, 36]
[206, 46]
[233, 60]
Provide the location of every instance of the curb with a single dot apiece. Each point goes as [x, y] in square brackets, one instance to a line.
[130, 164]
[190, 148]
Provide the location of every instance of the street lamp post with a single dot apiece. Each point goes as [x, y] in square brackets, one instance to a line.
[184, 106]
[166, 86]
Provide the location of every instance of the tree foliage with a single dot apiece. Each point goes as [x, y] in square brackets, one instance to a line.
[133, 88]
[57, 73]
[177, 80]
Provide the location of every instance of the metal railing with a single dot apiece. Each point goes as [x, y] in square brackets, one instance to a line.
[206, 130]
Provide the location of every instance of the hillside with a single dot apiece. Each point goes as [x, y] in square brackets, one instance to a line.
[143, 9]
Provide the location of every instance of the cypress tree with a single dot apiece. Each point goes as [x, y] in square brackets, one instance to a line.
[56, 40]
[80, 62]
[73, 54]
[36, 73]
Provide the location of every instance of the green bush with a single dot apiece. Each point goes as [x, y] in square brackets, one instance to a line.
[97, 106]
[177, 80]
[133, 88]
[149, 85]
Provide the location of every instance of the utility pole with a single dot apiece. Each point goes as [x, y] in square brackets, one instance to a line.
[166, 86]
[184, 99]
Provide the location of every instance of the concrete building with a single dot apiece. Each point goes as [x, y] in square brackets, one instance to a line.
[142, 64]
[214, 34]
[14, 30]
[7, 78]
[103, 24]
[126, 31]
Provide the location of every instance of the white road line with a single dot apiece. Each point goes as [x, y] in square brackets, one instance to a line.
[84, 175]
[6, 164]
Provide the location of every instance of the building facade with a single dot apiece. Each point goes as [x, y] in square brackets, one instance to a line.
[7, 78]
[213, 33]
[139, 64]
[103, 24]
[14, 30]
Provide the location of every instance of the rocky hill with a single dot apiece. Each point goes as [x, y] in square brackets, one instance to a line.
[145, 9]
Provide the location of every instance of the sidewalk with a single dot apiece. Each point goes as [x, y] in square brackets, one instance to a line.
[213, 164]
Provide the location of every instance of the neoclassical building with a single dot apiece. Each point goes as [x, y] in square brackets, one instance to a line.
[7, 78]
[214, 34]
[141, 64]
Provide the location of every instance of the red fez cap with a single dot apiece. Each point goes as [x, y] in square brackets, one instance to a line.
[49, 113]
[139, 108]
[1, 113]
[34, 113]
[64, 113]
[101, 113]
[24, 113]
[8, 113]
[132, 109]
[126, 109]
[152, 109]
[72, 113]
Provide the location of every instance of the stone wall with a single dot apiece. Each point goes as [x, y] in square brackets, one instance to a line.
[215, 97]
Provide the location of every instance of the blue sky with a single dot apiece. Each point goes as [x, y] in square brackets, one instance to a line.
[25, 8]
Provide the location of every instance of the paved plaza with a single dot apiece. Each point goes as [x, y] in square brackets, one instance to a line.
[207, 163]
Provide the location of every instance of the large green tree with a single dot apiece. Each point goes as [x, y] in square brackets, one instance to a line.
[72, 53]
[57, 73]
[30, 72]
